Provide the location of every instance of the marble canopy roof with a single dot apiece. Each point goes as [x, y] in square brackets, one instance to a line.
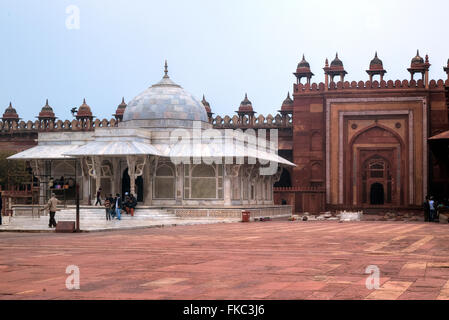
[121, 142]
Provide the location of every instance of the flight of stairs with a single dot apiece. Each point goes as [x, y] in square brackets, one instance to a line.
[94, 215]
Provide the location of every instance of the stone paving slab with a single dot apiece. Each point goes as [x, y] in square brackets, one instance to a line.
[257, 260]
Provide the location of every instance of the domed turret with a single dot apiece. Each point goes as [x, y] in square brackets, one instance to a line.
[376, 63]
[376, 67]
[164, 105]
[120, 110]
[286, 109]
[418, 60]
[206, 104]
[84, 111]
[246, 109]
[336, 63]
[303, 64]
[207, 108]
[336, 69]
[419, 65]
[10, 114]
[287, 105]
[46, 115]
[246, 105]
[303, 71]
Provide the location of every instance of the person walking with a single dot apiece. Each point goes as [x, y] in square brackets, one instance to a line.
[432, 208]
[98, 197]
[426, 209]
[131, 205]
[52, 206]
[118, 206]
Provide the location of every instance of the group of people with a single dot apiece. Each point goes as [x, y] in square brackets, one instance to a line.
[114, 206]
[431, 209]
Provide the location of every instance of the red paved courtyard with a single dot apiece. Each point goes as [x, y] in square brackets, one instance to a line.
[263, 260]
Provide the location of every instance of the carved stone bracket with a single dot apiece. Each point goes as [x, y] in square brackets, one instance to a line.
[106, 170]
[254, 175]
[232, 170]
[135, 169]
[94, 170]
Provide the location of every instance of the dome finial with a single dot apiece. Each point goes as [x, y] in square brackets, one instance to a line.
[46, 102]
[84, 100]
[123, 99]
[166, 69]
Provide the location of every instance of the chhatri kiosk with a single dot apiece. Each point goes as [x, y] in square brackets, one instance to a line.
[165, 152]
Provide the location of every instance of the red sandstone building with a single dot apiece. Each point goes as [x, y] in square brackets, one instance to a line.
[366, 144]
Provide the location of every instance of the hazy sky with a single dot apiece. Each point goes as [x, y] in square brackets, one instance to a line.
[220, 48]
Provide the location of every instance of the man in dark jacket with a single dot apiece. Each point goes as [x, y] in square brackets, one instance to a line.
[98, 197]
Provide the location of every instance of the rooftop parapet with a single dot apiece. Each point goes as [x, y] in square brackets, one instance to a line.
[260, 122]
[368, 85]
[67, 125]
[218, 122]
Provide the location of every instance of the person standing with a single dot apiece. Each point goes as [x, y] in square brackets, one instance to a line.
[52, 206]
[118, 206]
[125, 202]
[1, 208]
[432, 208]
[112, 205]
[98, 197]
[107, 205]
[426, 209]
[131, 206]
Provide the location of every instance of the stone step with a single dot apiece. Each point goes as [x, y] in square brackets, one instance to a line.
[92, 216]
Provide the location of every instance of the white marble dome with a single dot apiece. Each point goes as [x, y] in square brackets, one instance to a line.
[164, 105]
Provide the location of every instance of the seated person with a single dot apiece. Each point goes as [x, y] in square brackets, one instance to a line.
[131, 205]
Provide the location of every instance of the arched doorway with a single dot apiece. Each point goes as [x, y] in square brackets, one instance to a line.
[126, 185]
[376, 177]
[376, 155]
[377, 194]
